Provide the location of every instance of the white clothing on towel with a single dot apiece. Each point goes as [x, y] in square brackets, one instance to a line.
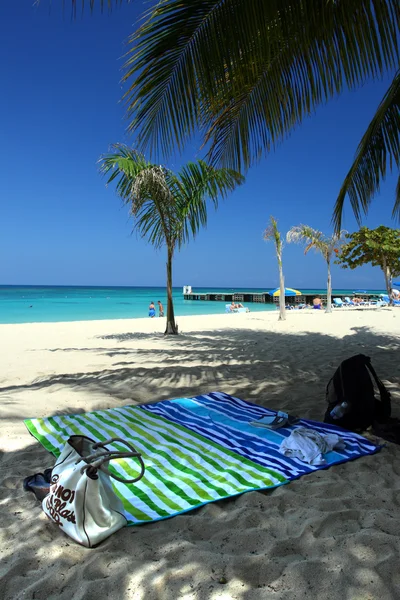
[309, 446]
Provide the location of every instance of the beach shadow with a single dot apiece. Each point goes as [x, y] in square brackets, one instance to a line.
[126, 337]
[297, 541]
[258, 365]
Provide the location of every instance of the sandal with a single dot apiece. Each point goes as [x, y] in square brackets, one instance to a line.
[281, 419]
[37, 484]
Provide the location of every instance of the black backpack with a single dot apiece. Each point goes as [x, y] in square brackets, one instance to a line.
[353, 383]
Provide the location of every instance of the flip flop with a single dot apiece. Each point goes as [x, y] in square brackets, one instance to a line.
[271, 422]
[47, 475]
[36, 484]
[281, 419]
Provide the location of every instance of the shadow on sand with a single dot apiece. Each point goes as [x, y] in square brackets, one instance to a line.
[186, 557]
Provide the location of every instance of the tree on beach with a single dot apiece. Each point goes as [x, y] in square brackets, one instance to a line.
[272, 234]
[327, 246]
[168, 208]
[379, 247]
[246, 72]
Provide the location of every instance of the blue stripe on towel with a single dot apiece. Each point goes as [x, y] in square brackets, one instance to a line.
[226, 420]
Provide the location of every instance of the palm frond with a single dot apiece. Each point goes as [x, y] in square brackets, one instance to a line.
[272, 233]
[198, 184]
[90, 3]
[168, 208]
[304, 234]
[313, 238]
[247, 71]
[123, 164]
[143, 187]
[396, 208]
[376, 153]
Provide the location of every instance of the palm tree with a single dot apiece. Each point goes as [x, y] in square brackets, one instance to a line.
[327, 246]
[167, 208]
[246, 72]
[272, 233]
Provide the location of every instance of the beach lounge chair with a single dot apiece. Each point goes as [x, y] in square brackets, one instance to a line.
[228, 309]
[377, 302]
[385, 298]
[349, 302]
[338, 302]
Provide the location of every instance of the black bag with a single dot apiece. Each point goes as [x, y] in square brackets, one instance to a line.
[352, 383]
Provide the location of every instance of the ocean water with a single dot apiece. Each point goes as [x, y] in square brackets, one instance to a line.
[51, 304]
[38, 304]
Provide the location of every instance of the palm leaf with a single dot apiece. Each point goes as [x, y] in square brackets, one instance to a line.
[313, 238]
[143, 187]
[247, 71]
[378, 150]
[396, 208]
[168, 208]
[271, 233]
[198, 183]
[91, 3]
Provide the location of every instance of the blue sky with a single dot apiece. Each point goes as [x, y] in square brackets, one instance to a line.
[60, 110]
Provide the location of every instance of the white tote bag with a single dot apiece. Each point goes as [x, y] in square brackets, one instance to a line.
[81, 498]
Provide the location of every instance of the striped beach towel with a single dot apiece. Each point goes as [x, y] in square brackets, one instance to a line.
[196, 450]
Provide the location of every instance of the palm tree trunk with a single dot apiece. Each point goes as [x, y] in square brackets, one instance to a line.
[282, 309]
[171, 328]
[329, 290]
[388, 280]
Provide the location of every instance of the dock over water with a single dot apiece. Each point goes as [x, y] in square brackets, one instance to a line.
[265, 297]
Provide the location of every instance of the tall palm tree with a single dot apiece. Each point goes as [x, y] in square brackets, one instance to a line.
[327, 246]
[272, 233]
[247, 71]
[167, 208]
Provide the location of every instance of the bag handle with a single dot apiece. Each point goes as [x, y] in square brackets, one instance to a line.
[97, 459]
[384, 394]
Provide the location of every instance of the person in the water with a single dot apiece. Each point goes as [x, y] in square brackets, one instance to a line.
[152, 310]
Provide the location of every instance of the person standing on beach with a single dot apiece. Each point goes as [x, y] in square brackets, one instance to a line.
[160, 309]
[317, 302]
[152, 310]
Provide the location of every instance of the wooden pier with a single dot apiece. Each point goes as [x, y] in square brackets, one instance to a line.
[227, 297]
[265, 297]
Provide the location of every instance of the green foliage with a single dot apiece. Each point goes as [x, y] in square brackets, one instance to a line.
[315, 239]
[272, 233]
[379, 146]
[168, 208]
[91, 4]
[247, 71]
[379, 247]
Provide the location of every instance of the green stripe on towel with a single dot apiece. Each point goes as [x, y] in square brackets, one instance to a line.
[183, 469]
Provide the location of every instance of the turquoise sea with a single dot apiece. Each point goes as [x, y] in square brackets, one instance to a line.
[38, 304]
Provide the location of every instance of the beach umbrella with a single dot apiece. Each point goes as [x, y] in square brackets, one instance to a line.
[288, 292]
[396, 282]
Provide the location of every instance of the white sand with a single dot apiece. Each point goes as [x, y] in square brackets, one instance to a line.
[331, 535]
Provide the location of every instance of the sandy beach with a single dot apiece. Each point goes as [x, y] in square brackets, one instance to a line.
[334, 534]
